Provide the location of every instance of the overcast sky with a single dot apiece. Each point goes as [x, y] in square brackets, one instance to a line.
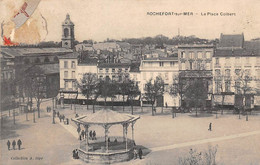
[117, 19]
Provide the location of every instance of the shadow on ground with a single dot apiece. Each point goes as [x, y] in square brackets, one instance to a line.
[145, 150]
[8, 128]
[201, 114]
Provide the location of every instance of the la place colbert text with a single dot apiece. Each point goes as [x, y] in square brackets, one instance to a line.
[190, 14]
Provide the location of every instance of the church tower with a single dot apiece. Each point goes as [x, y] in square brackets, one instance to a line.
[67, 40]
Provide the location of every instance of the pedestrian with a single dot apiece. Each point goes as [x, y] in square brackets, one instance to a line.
[19, 143]
[78, 129]
[210, 125]
[94, 135]
[166, 105]
[90, 135]
[80, 137]
[60, 118]
[8, 144]
[58, 114]
[140, 152]
[82, 134]
[13, 144]
[67, 121]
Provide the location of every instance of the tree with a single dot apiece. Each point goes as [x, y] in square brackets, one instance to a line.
[243, 88]
[154, 89]
[133, 92]
[177, 87]
[87, 85]
[37, 80]
[196, 94]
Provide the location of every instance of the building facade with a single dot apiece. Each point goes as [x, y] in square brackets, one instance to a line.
[195, 62]
[165, 67]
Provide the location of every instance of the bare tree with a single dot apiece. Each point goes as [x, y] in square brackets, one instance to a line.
[87, 85]
[154, 89]
[243, 88]
[133, 92]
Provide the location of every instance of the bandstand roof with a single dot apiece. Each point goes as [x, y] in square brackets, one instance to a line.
[106, 117]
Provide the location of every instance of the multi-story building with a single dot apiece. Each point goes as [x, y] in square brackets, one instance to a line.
[195, 61]
[165, 67]
[236, 70]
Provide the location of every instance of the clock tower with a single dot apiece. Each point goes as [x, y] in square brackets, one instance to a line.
[67, 40]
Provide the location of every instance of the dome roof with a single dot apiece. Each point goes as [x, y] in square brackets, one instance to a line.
[106, 117]
[67, 21]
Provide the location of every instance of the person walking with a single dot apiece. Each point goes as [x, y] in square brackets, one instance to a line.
[90, 135]
[19, 143]
[140, 153]
[78, 129]
[210, 125]
[82, 134]
[8, 144]
[58, 114]
[13, 144]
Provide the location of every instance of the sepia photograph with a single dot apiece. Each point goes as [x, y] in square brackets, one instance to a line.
[130, 82]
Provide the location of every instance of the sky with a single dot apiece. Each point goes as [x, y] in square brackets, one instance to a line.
[117, 19]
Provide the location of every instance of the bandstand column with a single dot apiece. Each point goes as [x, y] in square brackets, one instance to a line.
[126, 126]
[133, 130]
[86, 138]
[123, 132]
[106, 137]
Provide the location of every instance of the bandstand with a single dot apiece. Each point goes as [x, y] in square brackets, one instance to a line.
[106, 150]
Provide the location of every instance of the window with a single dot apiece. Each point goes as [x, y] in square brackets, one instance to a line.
[66, 85]
[190, 65]
[73, 74]
[191, 54]
[208, 55]
[120, 70]
[107, 70]
[113, 77]
[101, 77]
[198, 65]
[183, 54]
[75, 85]
[171, 64]
[73, 64]
[113, 70]
[101, 70]
[217, 61]
[247, 72]
[217, 72]
[66, 74]
[200, 55]
[65, 64]
[126, 69]
[227, 86]
[227, 73]
[218, 86]
[161, 64]
[120, 78]
[237, 71]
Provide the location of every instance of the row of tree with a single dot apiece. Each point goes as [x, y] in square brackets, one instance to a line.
[93, 87]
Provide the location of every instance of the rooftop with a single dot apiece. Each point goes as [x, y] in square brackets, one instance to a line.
[106, 117]
[73, 55]
[235, 53]
[18, 51]
[231, 41]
